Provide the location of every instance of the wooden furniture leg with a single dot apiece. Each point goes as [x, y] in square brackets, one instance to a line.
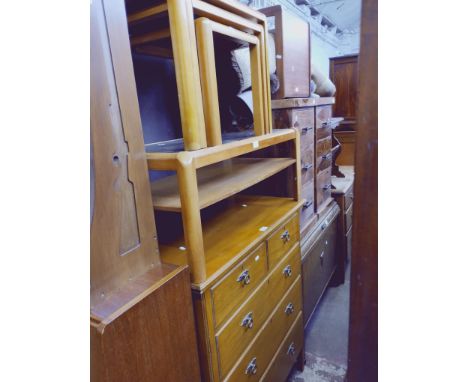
[187, 177]
[182, 30]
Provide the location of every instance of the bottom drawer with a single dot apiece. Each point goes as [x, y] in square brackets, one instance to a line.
[287, 354]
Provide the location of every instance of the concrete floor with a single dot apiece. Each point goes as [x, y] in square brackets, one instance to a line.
[326, 338]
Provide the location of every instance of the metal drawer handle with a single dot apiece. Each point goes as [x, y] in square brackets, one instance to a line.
[285, 236]
[324, 225]
[307, 204]
[326, 187]
[306, 129]
[287, 272]
[289, 309]
[326, 123]
[251, 367]
[291, 349]
[307, 166]
[327, 156]
[247, 322]
[322, 255]
[244, 277]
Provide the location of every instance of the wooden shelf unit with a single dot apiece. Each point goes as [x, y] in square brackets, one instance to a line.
[234, 232]
[218, 181]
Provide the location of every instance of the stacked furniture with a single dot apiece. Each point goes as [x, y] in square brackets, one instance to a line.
[312, 117]
[137, 301]
[182, 30]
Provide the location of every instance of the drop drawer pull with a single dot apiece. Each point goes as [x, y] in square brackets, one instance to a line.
[326, 187]
[247, 321]
[285, 236]
[289, 309]
[327, 156]
[307, 166]
[291, 349]
[287, 272]
[307, 204]
[326, 123]
[251, 367]
[306, 129]
[244, 277]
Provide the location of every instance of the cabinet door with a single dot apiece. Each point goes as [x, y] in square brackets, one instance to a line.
[123, 231]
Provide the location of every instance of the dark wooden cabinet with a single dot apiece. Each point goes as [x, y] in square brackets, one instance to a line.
[344, 74]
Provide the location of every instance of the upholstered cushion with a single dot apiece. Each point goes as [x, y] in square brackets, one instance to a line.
[325, 88]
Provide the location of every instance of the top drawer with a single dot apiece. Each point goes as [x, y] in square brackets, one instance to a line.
[237, 284]
[302, 119]
[282, 240]
[323, 115]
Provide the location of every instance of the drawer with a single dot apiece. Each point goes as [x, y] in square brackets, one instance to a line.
[307, 166]
[322, 188]
[318, 266]
[302, 119]
[234, 288]
[324, 161]
[285, 273]
[349, 218]
[307, 138]
[308, 207]
[282, 240]
[323, 147]
[322, 116]
[253, 363]
[242, 327]
[287, 354]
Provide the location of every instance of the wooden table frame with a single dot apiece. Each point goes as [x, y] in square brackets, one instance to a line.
[206, 54]
[182, 34]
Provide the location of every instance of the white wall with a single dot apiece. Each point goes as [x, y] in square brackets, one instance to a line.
[321, 51]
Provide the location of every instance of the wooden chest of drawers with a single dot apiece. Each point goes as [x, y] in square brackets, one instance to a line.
[312, 117]
[319, 258]
[247, 315]
[343, 194]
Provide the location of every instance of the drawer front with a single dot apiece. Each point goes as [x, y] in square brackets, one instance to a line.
[317, 267]
[242, 327]
[308, 207]
[253, 363]
[349, 218]
[324, 161]
[322, 187]
[302, 119]
[307, 141]
[325, 131]
[285, 273]
[322, 116]
[239, 283]
[307, 166]
[282, 240]
[287, 354]
[323, 147]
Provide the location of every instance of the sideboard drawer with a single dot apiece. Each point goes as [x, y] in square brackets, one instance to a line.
[242, 327]
[282, 240]
[308, 207]
[285, 272]
[237, 284]
[324, 161]
[323, 115]
[287, 354]
[307, 140]
[322, 187]
[323, 147]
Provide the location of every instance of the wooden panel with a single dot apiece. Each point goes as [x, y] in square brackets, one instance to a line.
[347, 141]
[285, 272]
[219, 181]
[322, 188]
[292, 43]
[152, 338]
[286, 355]
[363, 323]
[282, 240]
[237, 284]
[344, 74]
[318, 263]
[323, 161]
[123, 232]
[323, 147]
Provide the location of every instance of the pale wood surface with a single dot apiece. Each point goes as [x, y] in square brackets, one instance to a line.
[218, 181]
[301, 102]
[229, 236]
[210, 155]
[282, 240]
[146, 13]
